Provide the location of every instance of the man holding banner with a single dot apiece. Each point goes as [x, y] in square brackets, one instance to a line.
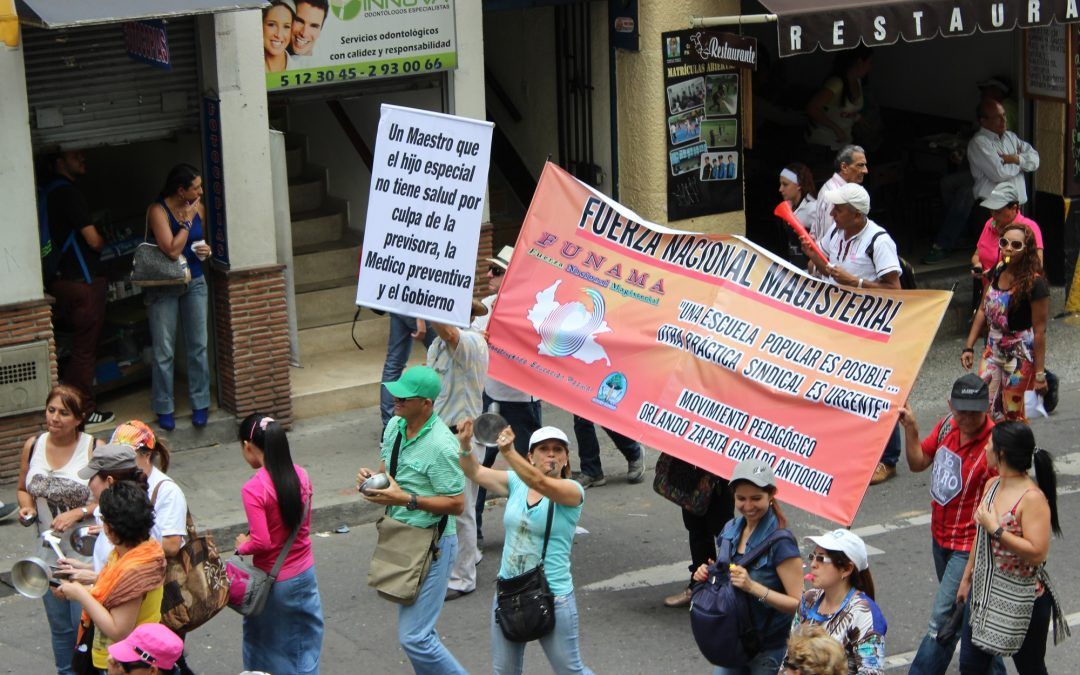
[861, 254]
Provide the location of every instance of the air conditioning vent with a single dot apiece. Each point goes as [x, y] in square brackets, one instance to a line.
[24, 378]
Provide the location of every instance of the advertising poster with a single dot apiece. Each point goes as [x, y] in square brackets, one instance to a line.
[315, 42]
[424, 211]
[706, 346]
[704, 138]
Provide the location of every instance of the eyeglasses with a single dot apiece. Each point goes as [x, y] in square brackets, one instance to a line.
[496, 271]
[1013, 244]
[819, 559]
[410, 398]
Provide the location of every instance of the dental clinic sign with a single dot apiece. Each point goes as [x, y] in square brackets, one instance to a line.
[307, 43]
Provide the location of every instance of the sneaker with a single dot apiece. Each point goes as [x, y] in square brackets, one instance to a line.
[680, 599]
[99, 417]
[166, 421]
[7, 509]
[635, 471]
[936, 255]
[200, 417]
[588, 481]
[882, 473]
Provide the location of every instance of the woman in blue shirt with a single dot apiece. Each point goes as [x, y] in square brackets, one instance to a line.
[775, 579]
[175, 221]
[533, 483]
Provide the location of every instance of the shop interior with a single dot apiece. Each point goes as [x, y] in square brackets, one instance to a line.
[920, 108]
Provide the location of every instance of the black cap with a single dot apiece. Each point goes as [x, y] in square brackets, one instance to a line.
[970, 394]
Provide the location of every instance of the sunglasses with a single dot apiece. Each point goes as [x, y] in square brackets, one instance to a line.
[410, 398]
[496, 271]
[1013, 244]
[819, 559]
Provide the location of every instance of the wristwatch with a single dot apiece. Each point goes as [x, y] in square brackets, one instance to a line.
[412, 505]
[997, 533]
[85, 512]
[1040, 376]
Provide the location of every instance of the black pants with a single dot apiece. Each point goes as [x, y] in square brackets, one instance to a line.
[1030, 660]
[702, 530]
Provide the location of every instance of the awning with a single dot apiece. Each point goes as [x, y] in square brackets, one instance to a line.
[68, 13]
[805, 25]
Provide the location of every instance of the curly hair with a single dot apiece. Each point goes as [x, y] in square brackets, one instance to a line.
[126, 509]
[1029, 268]
[814, 652]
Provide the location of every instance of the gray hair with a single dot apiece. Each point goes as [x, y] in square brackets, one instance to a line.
[847, 155]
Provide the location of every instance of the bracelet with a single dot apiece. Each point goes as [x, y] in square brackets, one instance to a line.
[464, 453]
[965, 350]
[860, 283]
[762, 598]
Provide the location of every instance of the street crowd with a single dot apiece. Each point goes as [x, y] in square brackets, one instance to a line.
[757, 604]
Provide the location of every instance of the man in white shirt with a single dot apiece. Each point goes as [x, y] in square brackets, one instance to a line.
[997, 155]
[862, 255]
[460, 357]
[851, 167]
[521, 410]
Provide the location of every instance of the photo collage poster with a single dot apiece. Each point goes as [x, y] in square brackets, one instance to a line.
[704, 138]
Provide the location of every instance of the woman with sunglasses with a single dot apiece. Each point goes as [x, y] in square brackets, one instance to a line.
[841, 600]
[774, 580]
[1011, 602]
[287, 636]
[1014, 311]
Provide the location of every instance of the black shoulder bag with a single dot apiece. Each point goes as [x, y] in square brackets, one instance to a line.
[525, 606]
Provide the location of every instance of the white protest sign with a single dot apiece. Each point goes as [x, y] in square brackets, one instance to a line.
[424, 211]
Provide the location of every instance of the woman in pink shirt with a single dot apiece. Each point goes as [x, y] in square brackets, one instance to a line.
[1004, 207]
[287, 636]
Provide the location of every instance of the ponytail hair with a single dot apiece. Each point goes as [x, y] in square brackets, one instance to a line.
[1046, 478]
[266, 434]
[862, 580]
[160, 451]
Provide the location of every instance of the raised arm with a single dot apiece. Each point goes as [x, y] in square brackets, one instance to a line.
[495, 482]
[561, 490]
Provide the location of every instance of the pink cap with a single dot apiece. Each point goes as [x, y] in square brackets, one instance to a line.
[151, 643]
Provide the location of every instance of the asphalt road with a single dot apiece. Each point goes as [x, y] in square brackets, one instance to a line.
[632, 556]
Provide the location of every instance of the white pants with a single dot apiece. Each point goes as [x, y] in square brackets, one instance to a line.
[463, 573]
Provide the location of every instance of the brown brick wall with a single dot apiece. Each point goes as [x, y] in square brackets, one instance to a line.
[483, 252]
[22, 323]
[252, 341]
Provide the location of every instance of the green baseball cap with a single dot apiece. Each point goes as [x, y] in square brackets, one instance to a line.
[416, 381]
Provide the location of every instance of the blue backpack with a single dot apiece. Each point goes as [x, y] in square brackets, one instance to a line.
[51, 254]
[720, 613]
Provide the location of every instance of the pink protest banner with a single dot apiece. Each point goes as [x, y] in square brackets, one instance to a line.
[706, 346]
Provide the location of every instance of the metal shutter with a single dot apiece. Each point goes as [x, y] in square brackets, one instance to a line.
[85, 91]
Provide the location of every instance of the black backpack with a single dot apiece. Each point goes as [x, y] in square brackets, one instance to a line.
[52, 252]
[720, 613]
[907, 272]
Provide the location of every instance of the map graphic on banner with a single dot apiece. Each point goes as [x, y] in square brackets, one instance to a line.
[425, 205]
[307, 43]
[707, 347]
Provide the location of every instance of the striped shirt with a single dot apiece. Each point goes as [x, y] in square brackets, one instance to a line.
[427, 467]
[824, 221]
[963, 466]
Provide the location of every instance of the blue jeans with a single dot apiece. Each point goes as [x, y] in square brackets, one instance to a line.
[524, 418]
[765, 663]
[934, 658]
[63, 616]
[416, 622]
[891, 454]
[589, 446]
[398, 350]
[163, 306]
[561, 645]
[287, 636]
[1029, 660]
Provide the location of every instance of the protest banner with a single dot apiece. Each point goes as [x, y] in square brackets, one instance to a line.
[423, 218]
[305, 44]
[706, 346]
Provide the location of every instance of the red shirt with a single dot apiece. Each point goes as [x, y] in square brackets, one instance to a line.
[958, 475]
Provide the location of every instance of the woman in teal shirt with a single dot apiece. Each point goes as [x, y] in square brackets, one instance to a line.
[533, 483]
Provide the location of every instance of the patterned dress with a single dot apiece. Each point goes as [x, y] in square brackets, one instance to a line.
[859, 627]
[1008, 363]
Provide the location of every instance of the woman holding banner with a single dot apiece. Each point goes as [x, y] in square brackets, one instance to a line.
[1014, 310]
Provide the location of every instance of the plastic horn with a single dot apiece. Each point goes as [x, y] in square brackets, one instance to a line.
[783, 212]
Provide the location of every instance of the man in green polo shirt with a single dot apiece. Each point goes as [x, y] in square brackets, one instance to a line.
[428, 485]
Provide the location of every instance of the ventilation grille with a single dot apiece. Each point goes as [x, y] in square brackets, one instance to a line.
[24, 378]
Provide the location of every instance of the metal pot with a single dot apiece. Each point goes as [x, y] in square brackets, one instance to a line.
[31, 576]
[82, 540]
[486, 428]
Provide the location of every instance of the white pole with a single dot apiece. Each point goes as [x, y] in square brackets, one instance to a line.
[740, 20]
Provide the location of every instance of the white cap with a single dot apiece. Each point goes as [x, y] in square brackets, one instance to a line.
[845, 541]
[852, 194]
[547, 434]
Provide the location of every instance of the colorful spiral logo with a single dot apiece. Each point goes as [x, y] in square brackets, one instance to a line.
[560, 341]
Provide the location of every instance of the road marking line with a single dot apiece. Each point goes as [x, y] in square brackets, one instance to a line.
[657, 575]
[905, 659]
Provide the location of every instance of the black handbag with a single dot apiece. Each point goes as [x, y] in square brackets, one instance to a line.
[525, 606]
[82, 659]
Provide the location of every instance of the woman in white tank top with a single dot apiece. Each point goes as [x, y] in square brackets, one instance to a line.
[52, 496]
